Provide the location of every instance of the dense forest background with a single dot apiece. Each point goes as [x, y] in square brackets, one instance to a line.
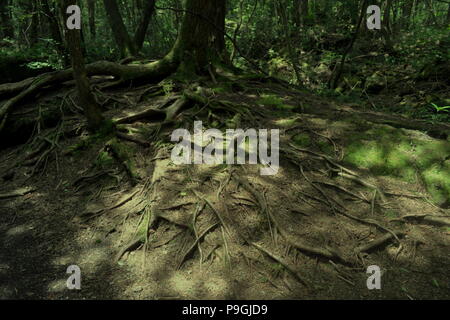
[87, 178]
[298, 41]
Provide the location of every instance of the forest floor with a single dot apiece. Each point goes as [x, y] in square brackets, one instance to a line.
[349, 193]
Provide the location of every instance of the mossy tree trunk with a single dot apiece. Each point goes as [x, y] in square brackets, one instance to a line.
[201, 39]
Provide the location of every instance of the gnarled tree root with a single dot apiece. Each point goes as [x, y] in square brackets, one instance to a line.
[155, 71]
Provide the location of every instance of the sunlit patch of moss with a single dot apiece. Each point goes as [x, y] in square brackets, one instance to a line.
[302, 140]
[270, 100]
[437, 179]
[285, 122]
[393, 152]
[365, 154]
[429, 151]
[286, 107]
[274, 101]
[146, 132]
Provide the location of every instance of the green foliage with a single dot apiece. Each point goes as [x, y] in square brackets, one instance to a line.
[440, 109]
[302, 140]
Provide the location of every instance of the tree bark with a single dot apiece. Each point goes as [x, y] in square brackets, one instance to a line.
[87, 101]
[387, 31]
[149, 10]
[123, 40]
[201, 37]
[301, 8]
[335, 77]
[406, 13]
[91, 12]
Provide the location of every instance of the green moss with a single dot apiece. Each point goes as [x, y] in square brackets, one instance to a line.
[325, 147]
[302, 140]
[391, 214]
[124, 153]
[104, 160]
[437, 180]
[387, 151]
[274, 101]
[108, 127]
[270, 100]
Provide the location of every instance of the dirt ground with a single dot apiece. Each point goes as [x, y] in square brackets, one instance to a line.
[225, 231]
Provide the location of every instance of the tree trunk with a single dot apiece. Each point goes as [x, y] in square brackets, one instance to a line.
[201, 37]
[91, 12]
[387, 32]
[34, 22]
[55, 32]
[7, 29]
[301, 8]
[149, 9]
[448, 14]
[406, 12]
[123, 40]
[336, 75]
[86, 99]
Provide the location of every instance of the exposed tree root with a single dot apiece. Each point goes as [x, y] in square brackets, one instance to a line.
[130, 246]
[327, 253]
[344, 172]
[122, 155]
[217, 213]
[426, 218]
[284, 263]
[130, 138]
[377, 242]
[192, 247]
[150, 72]
[17, 193]
[93, 214]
